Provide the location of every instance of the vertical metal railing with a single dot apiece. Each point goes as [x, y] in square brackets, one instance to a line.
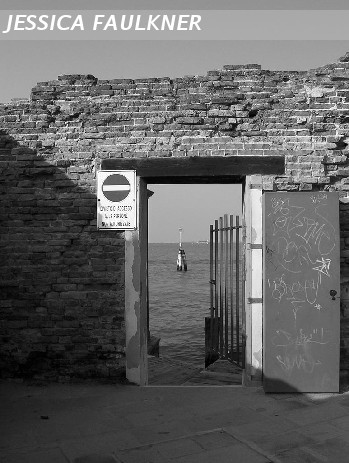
[227, 272]
[216, 295]
[212, 283]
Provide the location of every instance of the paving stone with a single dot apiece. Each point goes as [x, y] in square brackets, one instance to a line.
[167, 371]
[40, 456]
[300, 455]
[102, 443]
[294, 404]
[161, 432]
[213, 440]
[289, 404]
[320, 431]
[264, 427]
[228, 417]
[333, 450]
[95, 458]
[345, 401]
[142, 455]
[157, 416]
[17, 440]
[237, 453]
[341, 423]
[280, 442]
[317, 413]
[179, 448]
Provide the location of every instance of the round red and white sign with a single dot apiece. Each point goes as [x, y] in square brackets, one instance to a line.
[116, 187]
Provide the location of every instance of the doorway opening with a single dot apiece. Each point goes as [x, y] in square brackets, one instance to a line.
[181, 310]
[244, 169]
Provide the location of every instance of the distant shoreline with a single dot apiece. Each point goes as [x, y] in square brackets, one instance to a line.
[184, 242]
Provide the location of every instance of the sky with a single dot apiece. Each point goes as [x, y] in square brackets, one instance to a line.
[193, 207]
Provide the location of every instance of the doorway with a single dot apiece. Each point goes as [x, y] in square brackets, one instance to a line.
[244, 169]
[179, 217]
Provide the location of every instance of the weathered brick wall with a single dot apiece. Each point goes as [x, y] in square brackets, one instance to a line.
[62, 301]
[62, 292]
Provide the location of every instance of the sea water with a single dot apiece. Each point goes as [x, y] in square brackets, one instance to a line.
[179, 301]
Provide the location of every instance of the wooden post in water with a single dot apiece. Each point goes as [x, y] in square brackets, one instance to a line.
[181, 258]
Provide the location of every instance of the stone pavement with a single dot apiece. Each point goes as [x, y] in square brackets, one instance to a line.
[96, 423]
[166, 371]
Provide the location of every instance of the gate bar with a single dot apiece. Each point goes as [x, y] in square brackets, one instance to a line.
[216, 281]
[226, 320]
[211, 288]
[237, 288]
[231, 266]
[221, 258]
[243, 270]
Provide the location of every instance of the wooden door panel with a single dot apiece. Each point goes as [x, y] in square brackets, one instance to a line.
[301, 292]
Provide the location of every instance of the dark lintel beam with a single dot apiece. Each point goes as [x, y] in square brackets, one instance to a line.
[196, 166]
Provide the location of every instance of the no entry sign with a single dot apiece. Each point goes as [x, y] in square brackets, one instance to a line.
[116, 200]
[116, 188]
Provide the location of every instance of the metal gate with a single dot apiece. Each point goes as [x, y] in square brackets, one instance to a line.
[225, 337]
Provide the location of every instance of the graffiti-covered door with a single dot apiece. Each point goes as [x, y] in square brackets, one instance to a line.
[301, 292]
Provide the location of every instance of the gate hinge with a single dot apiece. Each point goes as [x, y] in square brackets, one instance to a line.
[256, 246]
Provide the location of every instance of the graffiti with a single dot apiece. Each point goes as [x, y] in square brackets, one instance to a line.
[323, 268]
[281, 289]
[290, 256]
[285, 339]
[298, 350]
[319, 198]
[316, 232]
[307, 364]
[297, 293]
[280, 206]
[318, 235]
[301, 246]
[286, 216]
[301, 250]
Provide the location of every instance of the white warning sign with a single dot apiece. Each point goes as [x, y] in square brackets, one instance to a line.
[116, 200]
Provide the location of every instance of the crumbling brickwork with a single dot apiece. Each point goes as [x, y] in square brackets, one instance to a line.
[62, 293]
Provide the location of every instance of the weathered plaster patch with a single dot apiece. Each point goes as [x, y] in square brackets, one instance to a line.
[132, 349]
[257, 363]
[132, 302]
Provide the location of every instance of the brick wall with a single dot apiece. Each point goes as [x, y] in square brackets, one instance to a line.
[62, 294]
[62, 301]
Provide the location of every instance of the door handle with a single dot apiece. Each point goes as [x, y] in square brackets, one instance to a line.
[333, 293]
